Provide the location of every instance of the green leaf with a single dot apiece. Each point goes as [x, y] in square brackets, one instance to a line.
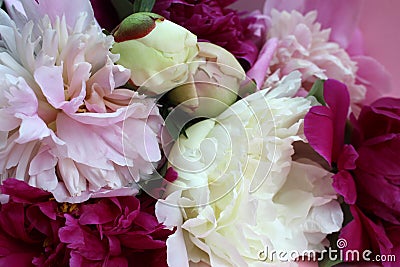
[328, 263]
[317, 90]
[143, 5]
[123, 7]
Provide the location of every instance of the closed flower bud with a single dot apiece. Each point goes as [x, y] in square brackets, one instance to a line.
[213, 86]
[155, 50]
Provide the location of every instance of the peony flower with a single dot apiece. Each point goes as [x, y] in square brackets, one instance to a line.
[67, 125]
[238, 189]
[29, 225]
[364, 182]
[213, 86]
[115, 232]
[343, 25]
[304, 46]
[107, 231]
[213, 21]
[155, 50]
[374, 185]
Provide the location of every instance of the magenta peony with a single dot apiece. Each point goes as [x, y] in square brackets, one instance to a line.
[116, 231]
[29, 225]
[368, 170]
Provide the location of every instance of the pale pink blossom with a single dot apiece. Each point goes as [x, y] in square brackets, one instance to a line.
[345, 24]
[67, 125]
[303, 45]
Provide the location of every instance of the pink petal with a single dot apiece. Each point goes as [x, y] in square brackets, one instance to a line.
[146, 142]
[125, 191]
[51, 82]
[70, 9]
[42, 170]
[61, 194]
[375, 77]
[356, 45]
[32, 128]
[259, 70]
[71, 177]
[91, 145]
[340, 15]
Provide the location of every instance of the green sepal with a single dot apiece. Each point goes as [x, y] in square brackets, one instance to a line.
[317, 91]
[136, 26]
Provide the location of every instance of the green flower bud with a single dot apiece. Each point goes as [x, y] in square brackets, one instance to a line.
[155, 50]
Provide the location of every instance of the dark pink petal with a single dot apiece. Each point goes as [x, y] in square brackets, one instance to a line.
[12, 221]
[146, 221]
[140, 241]
[83, 239]
[347, 158]
[380, 155]
[98, 213]
[382, 117]
[393, 234]
[378, 178]
[337, 98]
[17, 259]
[324, 127]
[114, 245]
[22, 192]
[344, 185]
[171, 175]
[318, 128]
[361, 234]
[39, 220]
[118, 261]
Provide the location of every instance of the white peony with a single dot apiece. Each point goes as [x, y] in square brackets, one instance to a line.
[239, 191]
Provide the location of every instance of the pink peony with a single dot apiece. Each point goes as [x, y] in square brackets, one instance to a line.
[67, 124]
[370, 80]
[303, 45]
[368, 171]
[116, 231]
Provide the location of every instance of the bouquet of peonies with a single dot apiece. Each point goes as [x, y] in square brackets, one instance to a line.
[188, 133]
